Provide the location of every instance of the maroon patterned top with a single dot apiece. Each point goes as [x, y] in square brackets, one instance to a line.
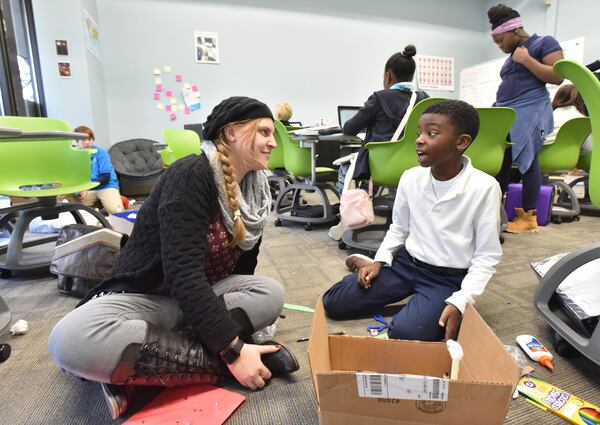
[220, 259]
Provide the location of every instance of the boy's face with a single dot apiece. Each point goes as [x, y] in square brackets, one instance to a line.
[86, 144]
[438, 144]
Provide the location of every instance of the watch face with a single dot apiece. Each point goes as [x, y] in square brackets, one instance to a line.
[232, 352]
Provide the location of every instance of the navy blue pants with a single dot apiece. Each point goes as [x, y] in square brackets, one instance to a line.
[418, 320]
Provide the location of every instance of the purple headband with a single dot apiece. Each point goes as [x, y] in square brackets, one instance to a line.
[513, 24]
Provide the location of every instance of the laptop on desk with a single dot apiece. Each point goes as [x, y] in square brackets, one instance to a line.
[344, 114]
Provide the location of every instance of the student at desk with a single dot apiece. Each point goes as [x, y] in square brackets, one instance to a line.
[384, 109]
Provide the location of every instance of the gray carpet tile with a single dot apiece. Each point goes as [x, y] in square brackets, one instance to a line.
[34, 391]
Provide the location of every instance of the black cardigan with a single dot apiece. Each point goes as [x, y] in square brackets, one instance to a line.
[169, 242]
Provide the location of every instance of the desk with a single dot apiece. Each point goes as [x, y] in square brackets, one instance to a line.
[37, 136]
[312, 140]
[9, 132]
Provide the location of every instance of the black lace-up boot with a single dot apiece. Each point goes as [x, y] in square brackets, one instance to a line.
[165, 358]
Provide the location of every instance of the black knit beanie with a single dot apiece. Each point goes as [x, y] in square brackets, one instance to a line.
[237, 108]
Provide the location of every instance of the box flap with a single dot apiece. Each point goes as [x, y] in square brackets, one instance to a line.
[318, 345]
[485, 358]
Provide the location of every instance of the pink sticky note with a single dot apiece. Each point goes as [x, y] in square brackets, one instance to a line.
[168, 108]
[173, 116]
[178, 78]
[186, 111]
[156, 96]
[158, 87]
[168, 93]
[194, 88]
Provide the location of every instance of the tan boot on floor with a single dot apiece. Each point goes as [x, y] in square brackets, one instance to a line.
[523, 222]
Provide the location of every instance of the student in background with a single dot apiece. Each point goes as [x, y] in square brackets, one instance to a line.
[384, 109]
[524, 76]
[568, 104]
[442, 245]
[104, 173]
[283, 112]
[183, 302]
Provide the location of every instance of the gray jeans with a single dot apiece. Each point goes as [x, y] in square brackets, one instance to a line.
[89, 341]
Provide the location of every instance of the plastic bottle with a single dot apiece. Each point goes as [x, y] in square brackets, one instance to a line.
[535, 350]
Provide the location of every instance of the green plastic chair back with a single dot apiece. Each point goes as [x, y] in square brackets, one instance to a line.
[388, 160]
[181, 143]
[588, 85]
[276, 160]
[563, 154]
[487, 150]
[54, 163]
[166, 155]
[585, 162]
[297, 160]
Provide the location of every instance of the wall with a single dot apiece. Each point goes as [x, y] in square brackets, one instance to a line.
[316, 57]
[81, 99]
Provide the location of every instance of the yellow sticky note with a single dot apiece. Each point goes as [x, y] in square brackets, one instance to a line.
[174, 108]
[156, 71]
[160, 106]
[158, 80]
[187, 86]
[173, 101]
[167, 68]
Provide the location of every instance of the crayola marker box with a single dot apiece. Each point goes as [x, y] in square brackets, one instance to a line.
[559, 402]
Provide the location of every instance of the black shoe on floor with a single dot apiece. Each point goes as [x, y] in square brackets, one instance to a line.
[281, 362]
[116, 399]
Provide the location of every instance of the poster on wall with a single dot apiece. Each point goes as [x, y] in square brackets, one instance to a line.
[62, 47]
[64, 69]
[206, 47]
[435, 73]
[92, 35]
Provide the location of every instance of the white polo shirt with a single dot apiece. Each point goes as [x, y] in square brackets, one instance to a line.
[458, 230]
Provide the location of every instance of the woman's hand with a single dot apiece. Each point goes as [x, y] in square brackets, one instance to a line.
[367, 274]
[248, 369]
[521, 55]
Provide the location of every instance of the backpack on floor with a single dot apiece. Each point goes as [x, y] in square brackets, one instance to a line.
[83, 257]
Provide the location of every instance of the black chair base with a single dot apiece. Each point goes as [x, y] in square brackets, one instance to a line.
[284, 211]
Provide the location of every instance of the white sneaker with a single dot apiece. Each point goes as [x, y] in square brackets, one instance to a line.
[355, 261]
[336, 232]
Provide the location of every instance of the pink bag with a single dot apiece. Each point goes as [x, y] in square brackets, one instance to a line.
[356, 207]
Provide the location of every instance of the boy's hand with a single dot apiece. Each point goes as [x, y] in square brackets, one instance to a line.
[367, 274]
[450, 319]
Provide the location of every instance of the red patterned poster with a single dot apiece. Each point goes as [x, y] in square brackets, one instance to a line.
[435, 73]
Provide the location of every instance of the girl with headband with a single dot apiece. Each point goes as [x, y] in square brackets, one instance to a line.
[183, 301]
[524, 76]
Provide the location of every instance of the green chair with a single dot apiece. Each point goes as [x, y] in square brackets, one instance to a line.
[180, 143]
[299, 162]
[562, 156]
[487, 150]
[40, 169]
[387, 163]
[570, 330]
[279, 178]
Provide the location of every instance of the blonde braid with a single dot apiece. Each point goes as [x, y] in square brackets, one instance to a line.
[231, 185]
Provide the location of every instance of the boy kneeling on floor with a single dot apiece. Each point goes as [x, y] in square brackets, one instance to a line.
[443, 243]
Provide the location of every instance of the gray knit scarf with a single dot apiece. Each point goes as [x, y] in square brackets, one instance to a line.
[253, 196]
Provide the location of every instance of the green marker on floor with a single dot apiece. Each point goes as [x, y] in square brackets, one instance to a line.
[299, 308]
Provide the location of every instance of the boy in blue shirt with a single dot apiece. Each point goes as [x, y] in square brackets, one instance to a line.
[104, 173]
[443, 243]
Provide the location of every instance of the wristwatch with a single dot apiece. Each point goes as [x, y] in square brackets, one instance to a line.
[231, 353]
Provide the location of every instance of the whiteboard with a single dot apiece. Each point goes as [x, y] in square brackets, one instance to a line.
[479, 83]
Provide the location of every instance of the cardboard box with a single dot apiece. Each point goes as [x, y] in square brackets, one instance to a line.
[487, 378]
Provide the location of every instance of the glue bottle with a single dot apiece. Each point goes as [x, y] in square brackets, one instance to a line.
[535, 350]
